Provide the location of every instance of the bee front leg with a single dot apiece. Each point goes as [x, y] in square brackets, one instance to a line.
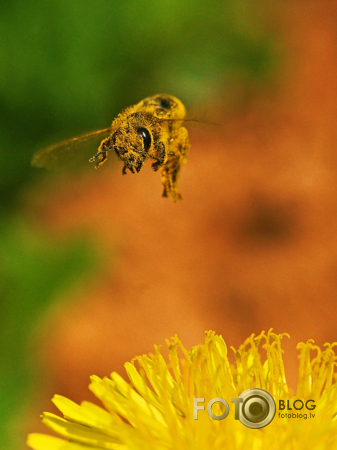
[102, 154]
[104, 157]
[159, 155]
[177, 156]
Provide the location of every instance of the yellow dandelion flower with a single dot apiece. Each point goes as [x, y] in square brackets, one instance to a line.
[157, 409]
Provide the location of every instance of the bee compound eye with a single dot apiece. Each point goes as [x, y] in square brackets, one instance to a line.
[145, 134]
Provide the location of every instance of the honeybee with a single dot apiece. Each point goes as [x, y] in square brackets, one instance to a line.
[151, 129]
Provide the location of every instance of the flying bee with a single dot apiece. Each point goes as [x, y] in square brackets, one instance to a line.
[152, 129]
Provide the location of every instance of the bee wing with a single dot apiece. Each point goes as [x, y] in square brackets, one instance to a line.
[70, 152]
[192, 120]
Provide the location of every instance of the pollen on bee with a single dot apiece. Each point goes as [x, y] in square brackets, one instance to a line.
[150, 130]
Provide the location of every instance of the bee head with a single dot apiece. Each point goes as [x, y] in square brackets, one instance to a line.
[132, 146]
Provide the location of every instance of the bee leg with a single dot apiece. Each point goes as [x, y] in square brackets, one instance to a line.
[177, 156]
[102, 153]
[124, 169]
[104, 157]
[159, 156]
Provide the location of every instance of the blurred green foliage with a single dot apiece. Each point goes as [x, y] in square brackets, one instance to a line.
[34, 271]
[69, 67]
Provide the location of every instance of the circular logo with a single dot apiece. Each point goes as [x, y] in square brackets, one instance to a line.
[257, 409]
